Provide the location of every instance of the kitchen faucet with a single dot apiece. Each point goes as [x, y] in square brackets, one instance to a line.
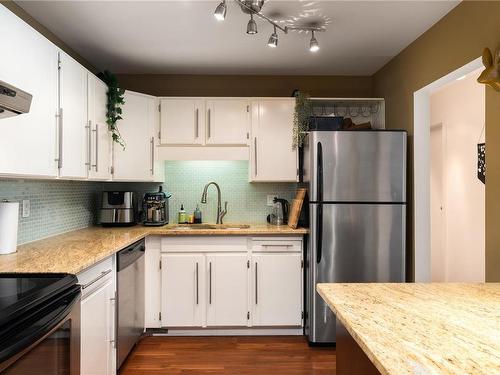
[220, 213]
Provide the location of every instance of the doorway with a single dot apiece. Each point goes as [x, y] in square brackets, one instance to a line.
[449, 223]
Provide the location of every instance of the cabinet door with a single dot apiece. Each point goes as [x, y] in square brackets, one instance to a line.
[182, 121]
[227, 121]
[277, 289]
[97, 312]
[272, 157]
[227, 299]
[183, 286]
[136, 161]
[74, 129]
[100, 138]
[29, 62]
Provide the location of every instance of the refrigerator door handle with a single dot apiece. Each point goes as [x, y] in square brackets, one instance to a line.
[319, 176]
[319, 233]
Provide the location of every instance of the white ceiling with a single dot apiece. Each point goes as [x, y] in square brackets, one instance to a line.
[183, 37]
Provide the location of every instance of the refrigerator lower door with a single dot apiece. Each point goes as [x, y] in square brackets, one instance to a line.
[351, 243]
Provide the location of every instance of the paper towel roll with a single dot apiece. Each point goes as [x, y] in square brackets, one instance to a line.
[9, 219]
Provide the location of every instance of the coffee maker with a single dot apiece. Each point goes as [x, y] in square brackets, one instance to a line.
[155, 207]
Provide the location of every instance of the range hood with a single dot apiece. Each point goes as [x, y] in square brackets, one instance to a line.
[13, 101]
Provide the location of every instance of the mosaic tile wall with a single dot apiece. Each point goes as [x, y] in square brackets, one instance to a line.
[185, 180]
[59, 206]
[62, 206]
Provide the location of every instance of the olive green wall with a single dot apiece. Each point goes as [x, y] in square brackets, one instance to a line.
[455, 40]
[246, 85]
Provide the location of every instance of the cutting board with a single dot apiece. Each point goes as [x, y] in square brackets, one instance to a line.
[297, 204]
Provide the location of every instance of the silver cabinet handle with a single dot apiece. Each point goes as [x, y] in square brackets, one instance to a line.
[152, 156]
[197, 122]
[197, 289]
[210, 283]
[115, 315]
[89, 144]
[255, 154]
[59, 158]
[256, 285]
[209, 123]
[96, 133]
[103, 273]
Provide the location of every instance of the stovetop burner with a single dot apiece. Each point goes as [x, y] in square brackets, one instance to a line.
[21, 291]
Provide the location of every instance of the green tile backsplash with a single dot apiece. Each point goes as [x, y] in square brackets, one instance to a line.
[62, 206]
[185, 180]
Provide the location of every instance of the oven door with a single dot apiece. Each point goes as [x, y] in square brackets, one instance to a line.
[45, 341]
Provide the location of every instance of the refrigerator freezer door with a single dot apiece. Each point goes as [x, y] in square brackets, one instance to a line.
[357, 166]
[351, 243]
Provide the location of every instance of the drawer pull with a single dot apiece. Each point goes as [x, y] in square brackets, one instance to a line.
[103, 273]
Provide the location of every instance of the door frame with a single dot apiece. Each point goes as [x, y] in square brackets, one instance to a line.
[421, 172]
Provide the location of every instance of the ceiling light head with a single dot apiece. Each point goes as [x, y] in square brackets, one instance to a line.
[273, 39]
[313, 44]
[220, 11]
[252, 26]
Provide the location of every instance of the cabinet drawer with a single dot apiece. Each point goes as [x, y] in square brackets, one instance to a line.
[277, 245]
[95, 276]
[203, 244]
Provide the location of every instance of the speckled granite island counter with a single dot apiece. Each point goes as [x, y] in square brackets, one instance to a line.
[75, 251]
[418, 328]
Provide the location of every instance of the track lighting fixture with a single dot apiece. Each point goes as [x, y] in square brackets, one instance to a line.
[220, 11]
[252, 26]
[273, 39]
[313, 45]
[254, 7]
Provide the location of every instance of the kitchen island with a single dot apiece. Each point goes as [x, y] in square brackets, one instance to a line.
[416, 328]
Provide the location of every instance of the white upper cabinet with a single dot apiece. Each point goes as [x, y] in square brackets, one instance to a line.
[182, 121]
[29, 62]
[73, 128]
[227, 300]
[228, 121]
[137, 161]
[99, 136]
[272, 157]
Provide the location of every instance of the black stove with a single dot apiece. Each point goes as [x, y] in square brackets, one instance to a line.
[36, 311]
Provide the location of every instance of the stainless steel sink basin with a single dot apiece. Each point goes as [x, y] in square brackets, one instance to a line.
[210, 226]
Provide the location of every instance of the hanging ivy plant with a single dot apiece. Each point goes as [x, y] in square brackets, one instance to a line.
[303, 110]
[113, 108]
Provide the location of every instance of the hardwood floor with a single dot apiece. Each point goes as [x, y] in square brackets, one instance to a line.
[243, 355]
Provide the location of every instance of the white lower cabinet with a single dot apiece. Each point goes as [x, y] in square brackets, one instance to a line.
[183, 285]
[227, 302]
[277, 287]
[97, 354]
[228, 283]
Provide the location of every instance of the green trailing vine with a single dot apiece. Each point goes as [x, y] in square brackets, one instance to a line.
[303, 110]
[113, 107]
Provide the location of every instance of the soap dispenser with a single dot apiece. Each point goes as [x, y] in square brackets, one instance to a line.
[182, 215]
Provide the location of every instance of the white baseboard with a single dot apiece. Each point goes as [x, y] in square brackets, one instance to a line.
[233, 332]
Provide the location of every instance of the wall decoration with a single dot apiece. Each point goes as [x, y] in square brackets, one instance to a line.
[113, 107]
[491, 74]
[481, 162]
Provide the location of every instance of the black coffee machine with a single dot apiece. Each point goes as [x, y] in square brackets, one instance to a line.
[155, 207]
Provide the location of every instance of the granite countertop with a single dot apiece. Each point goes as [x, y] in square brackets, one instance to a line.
[75, 251]
[431, 328]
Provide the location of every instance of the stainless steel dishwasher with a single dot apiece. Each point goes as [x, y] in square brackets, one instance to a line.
[130, 313]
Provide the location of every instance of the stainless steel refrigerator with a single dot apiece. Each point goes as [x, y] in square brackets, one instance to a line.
[357, 210]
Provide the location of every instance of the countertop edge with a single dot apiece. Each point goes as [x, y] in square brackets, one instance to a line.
[359, 340]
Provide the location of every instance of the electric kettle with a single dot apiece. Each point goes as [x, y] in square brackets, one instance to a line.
[280, 212]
